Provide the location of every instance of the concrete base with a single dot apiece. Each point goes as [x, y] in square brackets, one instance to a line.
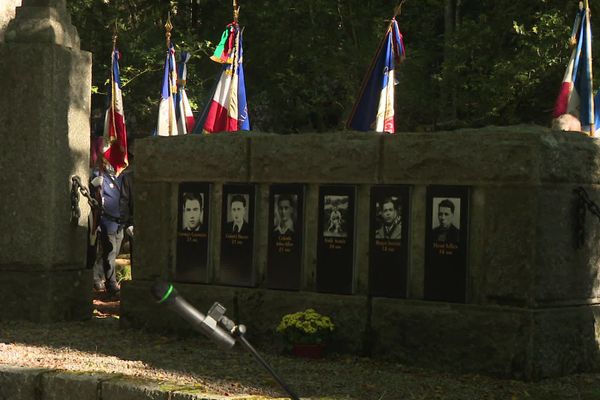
[34, 384]
[46, 296]
[260, 310]
[500, 341]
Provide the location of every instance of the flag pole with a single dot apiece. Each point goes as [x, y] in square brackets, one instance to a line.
[236, 45]
[365, 80]
[592, 122]
[236, 11]
[168, 28]
[112, 84]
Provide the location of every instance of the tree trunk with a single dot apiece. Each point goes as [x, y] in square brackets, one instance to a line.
[448, 95]
[194, 12]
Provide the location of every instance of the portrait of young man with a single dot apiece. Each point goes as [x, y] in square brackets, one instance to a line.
[388, 255]
[446, 227]
[237, 231]
[238, 214]
[445, 277]
[391, 219]
[192, 212]
[192, 234]
[285, 214]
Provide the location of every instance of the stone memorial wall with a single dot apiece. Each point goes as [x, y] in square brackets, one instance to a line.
[451, 249]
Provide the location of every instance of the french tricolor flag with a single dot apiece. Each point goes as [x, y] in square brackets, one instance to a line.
[576, 92]
[115, 131]
[228, 109]
[374, 109]
[183, 110]
[167, 118]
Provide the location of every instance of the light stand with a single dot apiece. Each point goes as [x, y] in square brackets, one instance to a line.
[215, 325]
[217, 312]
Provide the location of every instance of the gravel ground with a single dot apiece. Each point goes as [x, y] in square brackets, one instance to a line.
[99, 345]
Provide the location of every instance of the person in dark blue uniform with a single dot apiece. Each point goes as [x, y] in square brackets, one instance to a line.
[110, 229]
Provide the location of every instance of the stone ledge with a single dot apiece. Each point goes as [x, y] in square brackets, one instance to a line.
[19, 383]
[60, 385]
[330, 157]
[222, 157]
[523, 154]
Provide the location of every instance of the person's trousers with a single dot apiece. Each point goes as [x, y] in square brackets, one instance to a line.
[105, 265]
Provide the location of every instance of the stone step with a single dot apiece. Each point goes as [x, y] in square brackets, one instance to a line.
[18, 383]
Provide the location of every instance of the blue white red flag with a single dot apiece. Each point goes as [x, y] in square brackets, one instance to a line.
[183, 110]
[167, 119]
[576, 92]
[115, 131]
[228, 109]
[374, 109]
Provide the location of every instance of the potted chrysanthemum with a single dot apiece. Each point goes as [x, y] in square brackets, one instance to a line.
[307, 332]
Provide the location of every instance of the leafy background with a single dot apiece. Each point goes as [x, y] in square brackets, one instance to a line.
[469, 62]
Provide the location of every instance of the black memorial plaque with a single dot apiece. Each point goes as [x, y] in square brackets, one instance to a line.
[285, 237]
[192, 232]
[446, 243]
[335, 249]
[237, 235]
[389, 241]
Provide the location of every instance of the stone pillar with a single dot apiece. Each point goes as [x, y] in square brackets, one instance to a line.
[44, 126]
[7, 12]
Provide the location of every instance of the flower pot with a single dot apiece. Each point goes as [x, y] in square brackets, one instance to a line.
[312, 351]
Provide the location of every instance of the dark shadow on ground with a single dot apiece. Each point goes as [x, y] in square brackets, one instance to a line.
[229, 372]
[105, 305]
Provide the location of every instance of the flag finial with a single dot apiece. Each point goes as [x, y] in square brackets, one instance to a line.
[236, 11]
[115, 35]
[398, 9]
[168, 28]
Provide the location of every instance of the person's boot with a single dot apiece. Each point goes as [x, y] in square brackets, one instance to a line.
[114, 290]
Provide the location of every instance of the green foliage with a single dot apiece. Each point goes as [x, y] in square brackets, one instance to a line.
[304, 61]
[507, 63]
[123, 272]
[305, 327]
[142, 43]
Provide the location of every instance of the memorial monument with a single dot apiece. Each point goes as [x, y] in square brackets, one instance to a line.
[448, 249]
[44, 125]
[7, 12]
